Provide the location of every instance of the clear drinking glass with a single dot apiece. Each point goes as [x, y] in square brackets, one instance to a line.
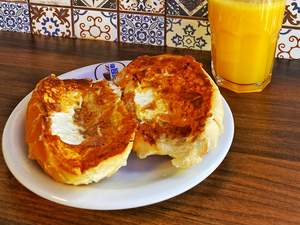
[244, 38]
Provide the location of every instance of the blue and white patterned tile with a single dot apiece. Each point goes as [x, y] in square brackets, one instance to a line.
[288, 46]
[142, 29]
[198, 8]
[96, 4]
[98, 25]
[52, 2]
[292, 14]
[151, 6]
[51, 21]
[186, 33]
[14, 17]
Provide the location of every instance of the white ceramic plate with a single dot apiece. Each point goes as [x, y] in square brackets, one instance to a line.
[140, 183]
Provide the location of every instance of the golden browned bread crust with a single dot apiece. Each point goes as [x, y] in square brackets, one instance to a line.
[184, 117]
[106, 126]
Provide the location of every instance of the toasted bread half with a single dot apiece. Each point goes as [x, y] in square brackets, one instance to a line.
[78, 131]
[177, 104]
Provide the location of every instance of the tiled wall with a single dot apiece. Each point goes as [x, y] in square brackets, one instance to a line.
[175, 23]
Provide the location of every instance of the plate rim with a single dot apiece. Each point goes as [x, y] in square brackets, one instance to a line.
[141, 203]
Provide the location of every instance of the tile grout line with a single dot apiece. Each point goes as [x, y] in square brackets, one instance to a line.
[30, 19]
[51, 5]
[290, 27]
[118, 23]
[165, 25]
[94, 9]
[72, 20]
[188, 17]
[142, 13]
[74, 7]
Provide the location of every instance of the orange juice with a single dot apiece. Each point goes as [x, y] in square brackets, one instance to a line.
[244, 37]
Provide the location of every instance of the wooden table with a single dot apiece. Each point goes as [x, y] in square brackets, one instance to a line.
[257, 183]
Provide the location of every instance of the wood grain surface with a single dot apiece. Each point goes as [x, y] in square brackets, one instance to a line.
[257, 183]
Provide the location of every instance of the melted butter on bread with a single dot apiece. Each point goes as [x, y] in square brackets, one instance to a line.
[115, 89]
[62, 125]
[79, 131]
[185, 118]
[148, 104]
[143, 98]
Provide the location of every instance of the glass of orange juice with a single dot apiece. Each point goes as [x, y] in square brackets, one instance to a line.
[244, 37]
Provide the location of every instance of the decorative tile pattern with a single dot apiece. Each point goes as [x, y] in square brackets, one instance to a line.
[292, 13]
[51, 21]
[152, 6]
[104, 4]
[182, 31]
[191, 34]
[141, 29]
[52, 2]
[14, 17]
[95, 24]
[187, 8]
[288, 46]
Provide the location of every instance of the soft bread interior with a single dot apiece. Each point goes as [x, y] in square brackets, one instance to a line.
[74, 133]
[185, 151]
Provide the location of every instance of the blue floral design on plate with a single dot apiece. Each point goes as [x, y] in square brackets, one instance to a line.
[142, 29]
[14, 17]
[108, 71]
